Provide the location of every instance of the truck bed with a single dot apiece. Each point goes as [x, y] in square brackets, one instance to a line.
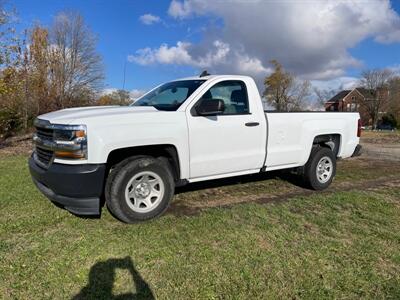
[291, 135]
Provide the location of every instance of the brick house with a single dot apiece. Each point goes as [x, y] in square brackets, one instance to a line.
[355, 100]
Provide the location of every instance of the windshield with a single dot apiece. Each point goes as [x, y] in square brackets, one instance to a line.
[169, 96]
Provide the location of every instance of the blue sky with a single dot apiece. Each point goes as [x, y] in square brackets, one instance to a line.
[233, 37]
[117, 25]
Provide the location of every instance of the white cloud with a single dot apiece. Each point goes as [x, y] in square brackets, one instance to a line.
[108, 91]
[248, 65]
[181, 55]
[337, 84]
[395, 69]
[134, 94]
[216, 58]
[310, 38]
[164, 55]
[179, 9]
[149, 19]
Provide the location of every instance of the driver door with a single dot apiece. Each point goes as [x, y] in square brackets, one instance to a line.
[230, 141]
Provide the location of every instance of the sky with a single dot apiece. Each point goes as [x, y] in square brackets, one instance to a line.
[327, 42]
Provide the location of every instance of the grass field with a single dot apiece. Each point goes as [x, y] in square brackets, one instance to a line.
[235, 239]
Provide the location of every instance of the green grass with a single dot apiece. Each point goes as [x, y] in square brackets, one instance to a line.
[339, 245]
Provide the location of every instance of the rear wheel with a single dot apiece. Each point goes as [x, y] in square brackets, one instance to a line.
[320, 168]
[139, 189]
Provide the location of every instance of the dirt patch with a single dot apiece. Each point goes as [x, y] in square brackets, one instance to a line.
[17, 145]
[382, 151]
[183, 208]
[360, 173]
[380, 137]
[381, 145]
[374, 164]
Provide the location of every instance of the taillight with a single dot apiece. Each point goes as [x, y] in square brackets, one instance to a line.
[359, 128]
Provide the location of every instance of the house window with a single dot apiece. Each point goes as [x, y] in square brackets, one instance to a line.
[353, 107]
[348, 107]
[332, 107]
[353, 98]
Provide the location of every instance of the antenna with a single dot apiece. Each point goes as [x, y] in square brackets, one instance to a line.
[123, 84]
[204, 73]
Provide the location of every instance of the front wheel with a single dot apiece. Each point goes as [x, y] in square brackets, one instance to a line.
[139, 189]
[320, 168]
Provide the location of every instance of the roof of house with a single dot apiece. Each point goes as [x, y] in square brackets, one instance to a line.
[367, 93]
[339, 96]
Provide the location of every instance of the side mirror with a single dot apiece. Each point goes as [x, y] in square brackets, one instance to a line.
[210, 107]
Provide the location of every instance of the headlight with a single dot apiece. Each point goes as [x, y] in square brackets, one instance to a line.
[68, 135]
[70, 141]
[59, 141]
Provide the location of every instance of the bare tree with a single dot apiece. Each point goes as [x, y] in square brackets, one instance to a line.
[376, 82]
[394, 98]
[323, 95]
[60, 68]
[297, 96]
[9, 41]
[11, 79]
[76, 67]
[284, 91]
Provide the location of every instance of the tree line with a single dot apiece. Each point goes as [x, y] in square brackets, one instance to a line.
[48, 68]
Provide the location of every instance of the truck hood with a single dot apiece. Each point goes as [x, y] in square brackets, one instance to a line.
[82, 115]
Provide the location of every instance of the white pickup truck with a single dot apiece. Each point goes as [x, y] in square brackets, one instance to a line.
[187, 130]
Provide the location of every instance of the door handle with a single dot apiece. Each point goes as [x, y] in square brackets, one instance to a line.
[252, 124]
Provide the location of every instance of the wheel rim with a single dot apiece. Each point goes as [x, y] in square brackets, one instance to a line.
[324, 169]
[144, 192]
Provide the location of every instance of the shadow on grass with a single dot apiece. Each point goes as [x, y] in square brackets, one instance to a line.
[102, 277]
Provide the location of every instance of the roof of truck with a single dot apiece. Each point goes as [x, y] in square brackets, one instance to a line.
[212, 77]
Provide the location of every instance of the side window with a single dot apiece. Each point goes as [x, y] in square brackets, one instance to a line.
[234, 95]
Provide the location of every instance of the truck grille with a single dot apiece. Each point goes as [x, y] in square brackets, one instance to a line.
[44, 156]
[44, 133]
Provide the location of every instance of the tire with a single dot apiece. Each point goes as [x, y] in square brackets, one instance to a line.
[320, 168]
[139, 188]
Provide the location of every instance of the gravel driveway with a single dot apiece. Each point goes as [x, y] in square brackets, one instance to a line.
[381, 145]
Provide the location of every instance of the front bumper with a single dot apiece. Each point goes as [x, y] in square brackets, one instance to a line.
[77, 188]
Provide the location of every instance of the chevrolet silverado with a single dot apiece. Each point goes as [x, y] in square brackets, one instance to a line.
[200, 128]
